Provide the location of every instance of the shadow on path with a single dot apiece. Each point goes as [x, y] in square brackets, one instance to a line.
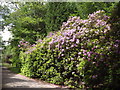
[12, 80]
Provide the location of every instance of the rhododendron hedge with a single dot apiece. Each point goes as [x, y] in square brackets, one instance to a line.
[81, 55]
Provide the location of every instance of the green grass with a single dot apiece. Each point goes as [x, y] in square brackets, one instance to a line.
[0, 64]
[6, 65]
[11, 68]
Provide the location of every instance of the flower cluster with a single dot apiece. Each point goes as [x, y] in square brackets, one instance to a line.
[78, 33]
[24, 45]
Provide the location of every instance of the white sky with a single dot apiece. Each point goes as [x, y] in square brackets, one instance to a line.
[6, 34]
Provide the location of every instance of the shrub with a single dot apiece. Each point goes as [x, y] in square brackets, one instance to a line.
[80, 55]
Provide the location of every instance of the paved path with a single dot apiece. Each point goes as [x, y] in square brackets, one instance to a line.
[12, 80]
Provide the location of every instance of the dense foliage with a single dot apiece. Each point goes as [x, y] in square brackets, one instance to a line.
[28, 21]
[81, 54]
[85, 8]
[58, 12]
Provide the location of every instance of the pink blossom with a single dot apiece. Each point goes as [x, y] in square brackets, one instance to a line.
[72, 58]
[63, 50]
[94, 76]
[89, 59]
[77, 41]
[72, 45]
[67, 48]
[18, 45]
[79, 53]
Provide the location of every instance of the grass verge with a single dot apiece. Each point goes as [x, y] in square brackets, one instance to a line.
[11, 68]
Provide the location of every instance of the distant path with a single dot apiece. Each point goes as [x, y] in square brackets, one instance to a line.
[12, 80]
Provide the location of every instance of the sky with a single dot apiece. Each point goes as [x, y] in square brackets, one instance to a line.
[5, 33]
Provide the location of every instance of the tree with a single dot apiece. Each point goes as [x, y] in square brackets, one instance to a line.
[57, 13]
[28, 21]
[115, 22]
[85, 8]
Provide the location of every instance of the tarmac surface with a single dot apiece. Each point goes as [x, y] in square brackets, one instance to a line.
[12, 80]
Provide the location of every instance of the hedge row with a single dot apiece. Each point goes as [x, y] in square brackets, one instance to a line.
[83, 54]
